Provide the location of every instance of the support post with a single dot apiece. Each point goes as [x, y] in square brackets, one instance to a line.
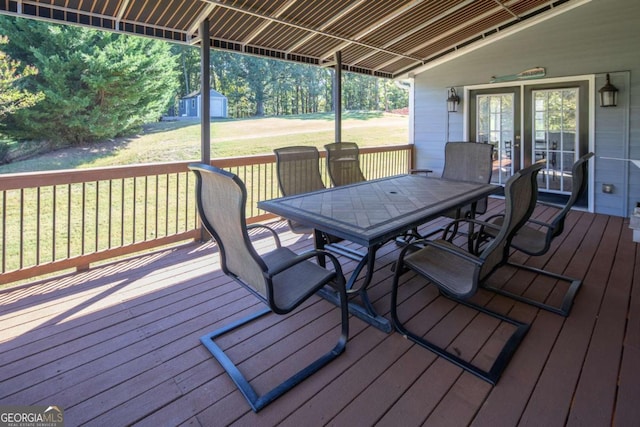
[205, 91]
[337, 96]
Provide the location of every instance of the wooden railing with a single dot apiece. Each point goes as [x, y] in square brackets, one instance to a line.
[53, 221]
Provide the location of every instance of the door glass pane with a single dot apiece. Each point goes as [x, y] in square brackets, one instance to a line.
[495, 125]
[555, 137]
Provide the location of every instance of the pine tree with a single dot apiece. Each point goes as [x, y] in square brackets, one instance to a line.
[12, 75]
[97, 85]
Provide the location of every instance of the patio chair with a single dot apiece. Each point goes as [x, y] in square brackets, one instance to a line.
[458, 273]
[535, 237]
[463, 161]
[298, 170]
[343, 163]
[281, 279]
[468, 161]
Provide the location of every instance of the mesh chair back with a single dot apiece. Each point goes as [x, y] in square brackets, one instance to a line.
[222, 198]
[521, 194]
[343, 163]
[298, 170]
[579, 181]
[469, 161]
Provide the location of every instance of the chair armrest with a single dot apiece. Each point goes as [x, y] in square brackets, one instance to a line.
[456, 225]
[540, 223]
[307, 255]
[489, 218]
[274, 234]
[549, 204]
[457, 252]
[421, 244]
[417, 171]
[532, 221]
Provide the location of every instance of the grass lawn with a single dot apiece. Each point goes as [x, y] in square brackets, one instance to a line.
[180, 140]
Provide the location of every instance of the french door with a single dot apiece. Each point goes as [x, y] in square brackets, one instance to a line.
[495, 119]
[527, 123]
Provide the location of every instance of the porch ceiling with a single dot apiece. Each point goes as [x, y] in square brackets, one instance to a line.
[386, 38]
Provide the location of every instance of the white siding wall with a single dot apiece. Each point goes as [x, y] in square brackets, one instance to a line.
[598, 37]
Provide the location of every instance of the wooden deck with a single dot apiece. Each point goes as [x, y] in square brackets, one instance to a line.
[119, 345]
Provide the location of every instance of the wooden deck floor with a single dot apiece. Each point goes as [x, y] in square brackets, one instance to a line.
[119, 345]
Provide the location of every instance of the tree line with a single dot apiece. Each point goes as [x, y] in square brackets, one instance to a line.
[88, 85]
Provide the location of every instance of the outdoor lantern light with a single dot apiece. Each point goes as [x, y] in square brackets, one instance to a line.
[608, 94]
[453, 101]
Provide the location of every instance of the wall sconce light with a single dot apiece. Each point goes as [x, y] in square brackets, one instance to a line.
[608, 94]
[453, 101]
[608, 188]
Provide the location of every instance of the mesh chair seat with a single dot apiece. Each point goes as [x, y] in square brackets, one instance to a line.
[307, 276]
[528, 238]
[452, 273]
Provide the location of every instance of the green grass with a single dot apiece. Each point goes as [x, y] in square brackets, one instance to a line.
[180, 140]
[57, 223]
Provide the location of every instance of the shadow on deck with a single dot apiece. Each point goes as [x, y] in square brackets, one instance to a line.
[120, 344]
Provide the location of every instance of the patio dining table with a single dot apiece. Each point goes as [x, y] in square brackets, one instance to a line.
[372, 213]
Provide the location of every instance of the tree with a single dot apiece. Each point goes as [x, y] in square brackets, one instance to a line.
[98, 85]
[12, 96]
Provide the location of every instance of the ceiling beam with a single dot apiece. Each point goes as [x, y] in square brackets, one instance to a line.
[121, 10]
[416, 29]
[195, 24]
[505, 7]
[388, 18]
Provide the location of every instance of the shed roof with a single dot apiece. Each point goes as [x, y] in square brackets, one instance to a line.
[212, 92]
[386, 38]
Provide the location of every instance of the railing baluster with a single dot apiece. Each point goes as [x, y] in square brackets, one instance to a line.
[110, 214]
[68, 221]
[38, 215]
[122, 212]
[54, 217]
[177, 200]
[146, 204]
[156, 209]
[21, 229]
[4, 231]
[96, 218]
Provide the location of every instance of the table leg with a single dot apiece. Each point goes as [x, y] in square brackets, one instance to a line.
[365, 310]
[319, 244]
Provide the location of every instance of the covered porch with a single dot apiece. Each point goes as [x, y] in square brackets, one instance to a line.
[119, 344]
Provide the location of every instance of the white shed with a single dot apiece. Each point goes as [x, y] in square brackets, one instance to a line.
[190, 105]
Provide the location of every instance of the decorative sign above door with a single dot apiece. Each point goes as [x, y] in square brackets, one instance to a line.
[532, 73]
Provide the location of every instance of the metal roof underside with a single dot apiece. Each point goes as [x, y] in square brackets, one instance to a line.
[385, 38]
